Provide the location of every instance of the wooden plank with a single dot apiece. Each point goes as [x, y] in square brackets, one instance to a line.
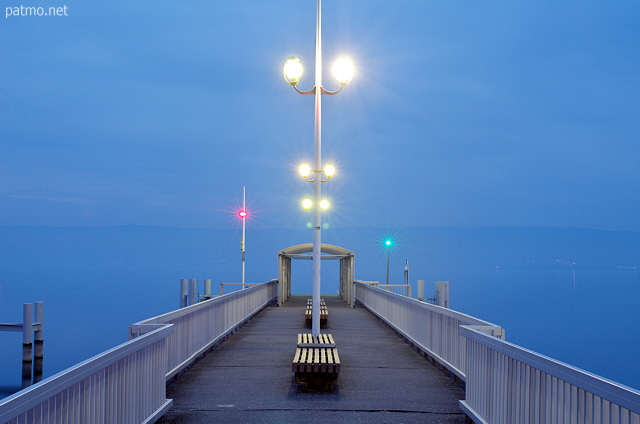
[336, 360]
[320, 345]
[316, 360]
[296, 360]
[323, 360]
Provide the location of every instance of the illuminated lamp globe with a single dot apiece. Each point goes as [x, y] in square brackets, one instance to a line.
[343, 71]
[292, 70]
[329, 170]
[324, 204]
[307, 203]
[304, 170]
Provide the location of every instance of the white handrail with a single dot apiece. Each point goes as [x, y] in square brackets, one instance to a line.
[509, 384]
[127, 384]
[114, 386]
[432, 328]
[504, 383]
[199, 327]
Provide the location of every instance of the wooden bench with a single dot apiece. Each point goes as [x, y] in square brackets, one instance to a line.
[316, 363]
[324, 313]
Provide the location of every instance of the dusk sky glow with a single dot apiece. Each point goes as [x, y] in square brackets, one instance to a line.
[460, 113]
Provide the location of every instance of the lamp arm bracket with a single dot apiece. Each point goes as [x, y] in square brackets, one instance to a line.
[331, 93]
[312, 91]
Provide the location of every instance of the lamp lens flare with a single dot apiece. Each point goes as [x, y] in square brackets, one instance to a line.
[243, 213]
[307, 203]
[343, 71]
[388, 242]
[292, 70]
[304, 170]
[324, 204]
[329, 170]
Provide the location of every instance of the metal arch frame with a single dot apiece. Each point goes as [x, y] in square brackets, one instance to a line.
[331, 252]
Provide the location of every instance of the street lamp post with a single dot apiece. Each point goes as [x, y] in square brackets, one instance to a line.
[243, 216]
[388, 244]
[343, 70]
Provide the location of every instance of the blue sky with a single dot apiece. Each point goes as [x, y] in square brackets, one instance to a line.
[461, 113]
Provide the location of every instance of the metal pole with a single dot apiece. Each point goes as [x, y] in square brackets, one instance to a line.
[387, 280]
[244, 220]
[406, 278]
[27, 343]
[38, 355]
[317, 214]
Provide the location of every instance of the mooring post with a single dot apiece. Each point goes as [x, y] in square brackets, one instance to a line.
[193, 283]
[38, 355]
[207, 289]
[183, 292]
[420, 289]
[27, 343]
[442, 293]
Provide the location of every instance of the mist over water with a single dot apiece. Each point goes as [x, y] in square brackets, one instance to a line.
[567, 300]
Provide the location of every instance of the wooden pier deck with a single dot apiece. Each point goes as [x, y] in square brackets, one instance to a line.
[248, 378]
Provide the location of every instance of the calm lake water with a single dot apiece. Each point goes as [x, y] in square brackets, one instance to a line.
[585, 318]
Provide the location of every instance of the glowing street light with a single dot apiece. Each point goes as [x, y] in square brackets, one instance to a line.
[292, 73]
[243, 214]
[293, 70]
[388, 244]
[305, 170]
[308, 204]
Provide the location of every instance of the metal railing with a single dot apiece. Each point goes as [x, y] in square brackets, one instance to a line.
[509, 384]
[504, 383]
[402, 289]
[199, 327]
[236, 286]
[433, 329]
[127, 384]
[123, 385]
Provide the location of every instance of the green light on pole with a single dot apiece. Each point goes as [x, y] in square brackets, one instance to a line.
[388, 243]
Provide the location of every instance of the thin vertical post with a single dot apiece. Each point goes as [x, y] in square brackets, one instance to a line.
[386, 281]
[184, 283]
[27, 344]
[38, 356]
[317, 183]
[244, 223]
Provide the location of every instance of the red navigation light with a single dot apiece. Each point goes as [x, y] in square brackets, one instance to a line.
[243, 214]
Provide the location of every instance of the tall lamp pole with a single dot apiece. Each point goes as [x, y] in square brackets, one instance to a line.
[388, 243]
[243, 216]
[343, 70]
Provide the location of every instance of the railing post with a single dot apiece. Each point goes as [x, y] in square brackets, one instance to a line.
[27, 344]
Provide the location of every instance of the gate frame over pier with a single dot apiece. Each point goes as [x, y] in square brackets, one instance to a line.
[328, 251]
